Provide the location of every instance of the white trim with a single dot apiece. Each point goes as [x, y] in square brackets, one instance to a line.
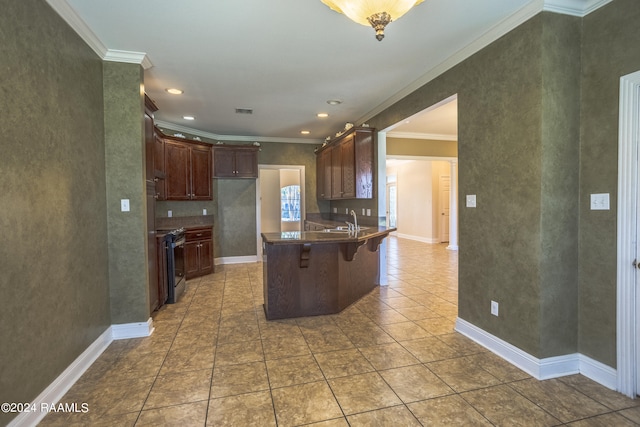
[627, 233]
[173, 127]
[424, 158]
[416, 135]
[132, 330]
[74, 20]
[128, 57]
[541, 369]
[59, 387]
[430, 240]
[236, 259]
[579, 8]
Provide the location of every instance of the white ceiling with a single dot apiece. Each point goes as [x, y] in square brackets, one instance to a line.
[284, 59]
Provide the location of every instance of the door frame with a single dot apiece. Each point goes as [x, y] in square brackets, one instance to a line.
[303, 204]
[627, 235]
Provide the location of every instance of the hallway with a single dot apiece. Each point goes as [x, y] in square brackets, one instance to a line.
[391, 359]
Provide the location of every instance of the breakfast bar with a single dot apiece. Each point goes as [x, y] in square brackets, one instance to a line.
[308, 273]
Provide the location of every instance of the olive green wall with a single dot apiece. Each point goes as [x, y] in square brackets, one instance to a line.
[517, 136]
[124, 142]
[54, 282]
[421, 147]
[609, 51]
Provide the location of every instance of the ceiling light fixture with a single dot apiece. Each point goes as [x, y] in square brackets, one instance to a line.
[188, 117]
[323, 115]
[377, 13]
[305, 132]
[334, 102]
[174, 91]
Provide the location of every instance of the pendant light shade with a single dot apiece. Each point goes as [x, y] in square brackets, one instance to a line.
[377, 13]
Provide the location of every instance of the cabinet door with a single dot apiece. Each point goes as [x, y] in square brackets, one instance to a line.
[201, 173]
[160, 175]
[206, 256]
[178, 182]
[191, 262]
[320, 175]
[336, 172]
[246, 164]
[364, 164]
[224, 163]
[347, 152]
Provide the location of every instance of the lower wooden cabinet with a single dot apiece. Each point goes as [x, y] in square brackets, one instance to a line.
[163, 281]
[198, 252]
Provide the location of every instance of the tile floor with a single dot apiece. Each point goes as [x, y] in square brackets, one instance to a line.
[391, 359]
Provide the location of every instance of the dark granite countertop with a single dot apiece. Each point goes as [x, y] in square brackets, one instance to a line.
[299, 237]
[166, 223]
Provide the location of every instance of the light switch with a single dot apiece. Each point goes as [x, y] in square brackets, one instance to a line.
[600, 202]
[471, 200]
[124, 205]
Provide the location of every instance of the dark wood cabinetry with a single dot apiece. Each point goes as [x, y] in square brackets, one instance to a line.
[235, 161]
[159, 166]
[163, 282]
[198, 252]
[345, 166]
[188, 170]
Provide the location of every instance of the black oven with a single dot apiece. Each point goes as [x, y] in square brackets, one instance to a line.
[175, 264]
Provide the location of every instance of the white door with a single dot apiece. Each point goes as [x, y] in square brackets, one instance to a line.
[444, 203]
[392, 205]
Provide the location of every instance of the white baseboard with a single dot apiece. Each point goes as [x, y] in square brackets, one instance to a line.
[236, 260]
[430, 240]
[132, 330]
[541, 369]
[63, 383]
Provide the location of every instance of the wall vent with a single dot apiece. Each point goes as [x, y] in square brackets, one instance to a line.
[244, 110]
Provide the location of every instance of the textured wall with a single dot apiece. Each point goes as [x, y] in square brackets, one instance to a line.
[124, 142]
[609, 51]
[515, 154]
[54, 280]
[421, 147]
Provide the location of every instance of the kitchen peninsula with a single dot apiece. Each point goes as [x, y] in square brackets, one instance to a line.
[308, 273]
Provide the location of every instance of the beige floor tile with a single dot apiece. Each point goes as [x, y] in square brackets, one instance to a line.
[193, 358]
[252, 409]
[461, 344]
[181, 387]
[337, 422]
[600, 393]
[190, 414]
[386, 317]
[414, 383]
[343, 363]
[363, 392]
[387, 356]
[401, 302]
[62, 419]
[438, 325]
[559, 399]
[394, 416]
[326, 338]
[285, 346]
[305, 404]
[429, 349]
[238, 331]
[498, 367]
[405, 331]
[195, 338]
[503, 406]
[236, 353]
[606, 420]
[447, 411]
[461, 376]
[279, 328]
[293, 370]
[417, 313]
[367, 334]
[239, 379]
[632, 413]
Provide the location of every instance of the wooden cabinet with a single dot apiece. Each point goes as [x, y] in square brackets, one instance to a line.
[188, 170]
[345, 166]
[235, 161]
[163, 281]
[198, 252]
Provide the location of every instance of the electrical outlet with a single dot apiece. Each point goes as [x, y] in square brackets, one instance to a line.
[368, 212]
[204, 211]
[600, 202]
[169, 214]
[346, 210]
[471, 201]
[363, 212]
[494, 308]
[124, 205]
[335, 210]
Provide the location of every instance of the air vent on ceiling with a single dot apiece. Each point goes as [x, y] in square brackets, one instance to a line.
[244, 110]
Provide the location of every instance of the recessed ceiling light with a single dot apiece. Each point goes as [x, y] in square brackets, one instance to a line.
[188, 117]
[174, 91]
[334, 102]
[305, 132]
[323, 115]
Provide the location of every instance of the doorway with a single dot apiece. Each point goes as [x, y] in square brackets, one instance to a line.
[628, 256]
[280, 196]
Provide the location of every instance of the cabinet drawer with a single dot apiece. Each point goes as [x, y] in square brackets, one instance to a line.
[192, 234]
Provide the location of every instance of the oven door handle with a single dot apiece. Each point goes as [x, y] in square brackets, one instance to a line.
[179, 242]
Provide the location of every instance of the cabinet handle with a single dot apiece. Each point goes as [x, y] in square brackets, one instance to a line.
[200, 234]
[157, 196]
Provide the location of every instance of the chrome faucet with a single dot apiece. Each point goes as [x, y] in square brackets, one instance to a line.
[355, 221]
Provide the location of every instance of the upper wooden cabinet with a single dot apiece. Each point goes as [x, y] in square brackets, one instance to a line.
[159, 165]
[345, 166]
[235, 161]
[188, 170]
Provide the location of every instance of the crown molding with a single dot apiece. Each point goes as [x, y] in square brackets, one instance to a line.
[66, 12]
[239, 138]
[416, 135]
[579, 8]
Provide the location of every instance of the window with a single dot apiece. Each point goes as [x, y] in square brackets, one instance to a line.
[290, 203]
